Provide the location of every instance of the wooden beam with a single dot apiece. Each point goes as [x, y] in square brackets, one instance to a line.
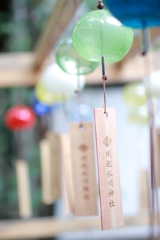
[16, 70]
[59, 18]
[134, 69]
[137, 44]
[48, 227]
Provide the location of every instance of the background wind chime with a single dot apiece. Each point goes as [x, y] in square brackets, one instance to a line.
[18, 119]
[99, 37]
[81, 138]
[49, 154]
[144, 15]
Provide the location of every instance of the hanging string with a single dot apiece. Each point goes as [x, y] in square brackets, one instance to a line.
[154, 168]
[153, 178]
[154, 187]
[65, 110]
[100, 6]
[145, 41]
[78, 91]
[151, 173]
[75, 11]
[104, 78]
[151, 158]
[79, 101]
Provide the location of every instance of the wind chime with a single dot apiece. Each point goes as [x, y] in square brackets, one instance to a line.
[84, 200]
[41, 109]
[136, 14]
[143, 15]
[99, 37]
[50, 162]
[69, 60]
[20, 118]
[56, 86]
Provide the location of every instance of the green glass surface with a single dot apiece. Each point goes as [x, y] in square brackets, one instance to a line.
[99, 34]
[134, 94]
[69, 60]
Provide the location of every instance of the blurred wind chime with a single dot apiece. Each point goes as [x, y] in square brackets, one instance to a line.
[99, 37]
[45, 104]
[49, 153]
[55, 87]
[78, 157]
[143, 15]
[18, 119]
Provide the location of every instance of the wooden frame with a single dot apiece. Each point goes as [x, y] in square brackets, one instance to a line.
[61, 15]
[17, 70]
[49, 227]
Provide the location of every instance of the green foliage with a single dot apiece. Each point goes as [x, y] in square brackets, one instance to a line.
[21, 26]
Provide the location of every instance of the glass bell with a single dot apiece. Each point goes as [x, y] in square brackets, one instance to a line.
[44, 96]
[134, 94]
[136, 13]
[69, 60]
[99, 34]
[139, 115]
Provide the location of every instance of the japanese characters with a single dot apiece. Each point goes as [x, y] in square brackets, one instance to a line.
[107, 142]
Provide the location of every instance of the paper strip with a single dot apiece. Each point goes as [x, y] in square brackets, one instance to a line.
[108, 169]
[55, 147]
[83, 162]
[23, 184]
[67, 178]
[144, 191]
[46, 172]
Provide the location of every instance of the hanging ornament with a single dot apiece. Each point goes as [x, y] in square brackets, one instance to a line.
[42, 109]
[108, 169]
[69, 60]
[83, 166]
[99, 34]
[50, 168]
[66, 174]
[82, 155]
[20, 117]
[134, 94]
[86, 112]
[45, 96]
[59, 83]
[136, 14]
[153, 86]
[139, 115]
